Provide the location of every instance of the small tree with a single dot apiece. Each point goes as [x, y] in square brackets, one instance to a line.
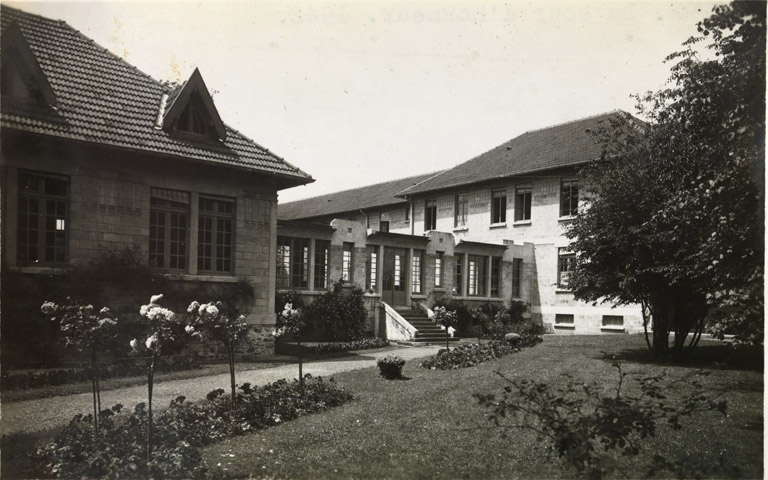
[87, 331]
[162, 331]
[291, 324]
[210, 322]
[446, 318]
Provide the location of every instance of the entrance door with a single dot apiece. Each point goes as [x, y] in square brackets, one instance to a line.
[394, 271]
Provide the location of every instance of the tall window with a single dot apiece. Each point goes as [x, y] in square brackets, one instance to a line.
[168, 228]
[399, 280]
[384, 226]
[408, 213]
[292, 262]
[347, 262]
[215, 235]
[569, 198]
[42, 232]
[417, 271]
[499, 205]
[476, 271]
[517, 271]
[439, 269]
[565, 263]
[430, 214]
[496, 263]
[322, 248]
[522, 204]
[460, 211]
[458, 282]
[372, 268]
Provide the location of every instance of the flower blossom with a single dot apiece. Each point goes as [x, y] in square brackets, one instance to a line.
[212, 310]
[189, 329]
[48, 308]
[151, 342]
[193, 307]
[156, 298]
[134, 344]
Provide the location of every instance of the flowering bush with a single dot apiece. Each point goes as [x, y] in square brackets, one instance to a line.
[361, 344]
[446, 318]
[391, 367]
[292, 324]
[210, 321]
[87, 331]
[468, 355]
[116, 452]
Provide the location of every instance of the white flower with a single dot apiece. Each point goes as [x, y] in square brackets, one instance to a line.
[144, 310]
[156, 298]
[106, 321]
[212, 310]
[104, 311]
[189, 329]
[151, 342]
[193, 307]
[48, 308]
[134, 344]
[201, 310]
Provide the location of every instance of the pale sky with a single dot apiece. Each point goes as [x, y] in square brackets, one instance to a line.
[361, 92]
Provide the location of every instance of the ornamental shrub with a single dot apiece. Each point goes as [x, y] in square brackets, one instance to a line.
[361, 344]
[391, 367]
[339, 315]
[468, 355]
[118, 450]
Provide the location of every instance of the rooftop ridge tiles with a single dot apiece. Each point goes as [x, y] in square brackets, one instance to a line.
[568, 122]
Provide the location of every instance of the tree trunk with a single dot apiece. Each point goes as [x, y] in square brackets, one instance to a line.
[150, 379]
[301, 374]
[447, 347]
[231, 359]
[95, 390]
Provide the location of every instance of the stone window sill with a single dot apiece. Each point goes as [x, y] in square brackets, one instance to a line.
[39, 270]
[418, 296]
[612, 329]
[563, 290]
[438, 289]
[202, 278]
[460, 229]
[565, 326]
[521, 223]
[498, 225]
[566, 219]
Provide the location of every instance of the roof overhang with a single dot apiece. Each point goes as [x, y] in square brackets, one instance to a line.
[292, 228]
[403, 240]
[465, 246]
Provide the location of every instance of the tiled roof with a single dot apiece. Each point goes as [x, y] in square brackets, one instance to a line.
[103, 99]
[371, 196]
[563, 145]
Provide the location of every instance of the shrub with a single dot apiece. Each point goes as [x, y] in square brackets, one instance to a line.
[118, 450]
[338, 315]
[391, 367]
[361, 344]
[468, 355]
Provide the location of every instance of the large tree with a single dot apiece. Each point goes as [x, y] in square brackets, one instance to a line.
[674, 217]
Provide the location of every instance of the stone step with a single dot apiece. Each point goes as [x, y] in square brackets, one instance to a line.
[435, 341]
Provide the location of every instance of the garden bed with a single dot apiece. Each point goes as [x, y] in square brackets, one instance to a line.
[314, 349]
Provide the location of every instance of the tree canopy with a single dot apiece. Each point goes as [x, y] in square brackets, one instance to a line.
[675, 219]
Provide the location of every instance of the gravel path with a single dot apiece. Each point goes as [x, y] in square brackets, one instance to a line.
[46, 413]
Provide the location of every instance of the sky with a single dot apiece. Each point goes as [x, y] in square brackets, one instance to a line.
[356, 93]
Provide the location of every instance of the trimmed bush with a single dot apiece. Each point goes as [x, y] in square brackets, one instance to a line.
[362, 344]
[118, 450]
[391, 367]
[338, 315]
[468, 355]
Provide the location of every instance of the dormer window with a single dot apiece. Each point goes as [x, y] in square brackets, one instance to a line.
[14, 84]
[21, 78]
[191, 120]
[191, 111]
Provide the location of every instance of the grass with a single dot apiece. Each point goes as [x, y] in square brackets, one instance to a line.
[121, 382]
[429, 426]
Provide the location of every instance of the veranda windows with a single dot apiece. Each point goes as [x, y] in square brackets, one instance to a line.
[168, 228]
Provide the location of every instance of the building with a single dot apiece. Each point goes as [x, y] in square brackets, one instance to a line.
[97, 155]
[487, 230]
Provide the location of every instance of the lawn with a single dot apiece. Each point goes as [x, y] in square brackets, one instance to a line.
[429, 425]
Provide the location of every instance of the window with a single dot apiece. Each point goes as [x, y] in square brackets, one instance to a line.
[416, 271]
[408, 213]
[476, 271]
[496, 263]
[384, 226]
[322, 248]
[347, 262]
[168, 228]
[565, 263]
[292, 262]
[460, 212]
[399, 272]
[215, 235]
[613, 321]
[569, 198]
[499, 205]
[564, 319]
[517, 270]
[522, 204]
[458, 284]
[439, 269]
[372, 268]
[42, 218]
[430, 215]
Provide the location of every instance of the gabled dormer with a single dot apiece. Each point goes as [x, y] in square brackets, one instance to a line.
[191, 111]
[22, 79]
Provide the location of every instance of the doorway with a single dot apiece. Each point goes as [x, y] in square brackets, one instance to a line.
[394, 274]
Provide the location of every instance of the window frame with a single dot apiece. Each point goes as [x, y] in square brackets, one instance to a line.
[565, 258]
[170, 209]
[320, 266]
[439, 267]
[477, 277]
[430, 214]
[372, 269]
[609, 325]
[384, 226]
[417, 272]
[348, 262]
[290, 277]
[569, 197]
[460, 210]
[458, 275]
[517, 274]
[41, 246]
[217, 216]
[559, 317]
[497, 269]
[523, 202]
[498, 206]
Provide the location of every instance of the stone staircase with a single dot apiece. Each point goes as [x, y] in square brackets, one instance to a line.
[426, 331]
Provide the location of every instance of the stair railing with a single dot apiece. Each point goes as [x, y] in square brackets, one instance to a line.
[397, 327]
